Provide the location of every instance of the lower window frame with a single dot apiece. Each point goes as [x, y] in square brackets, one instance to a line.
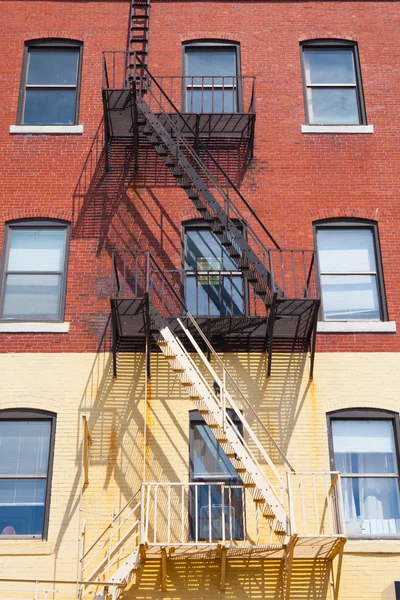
[366, 414]
[26, 414]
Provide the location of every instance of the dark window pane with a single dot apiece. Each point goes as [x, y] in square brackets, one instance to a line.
[32, 296]
[365, 446]
[209, 460]
[22, 506]
[350, 297]
[206, 100]
[36, 249]
[333, 106]
[210, 510]
[204, 252]
[215, 295]
[52, 66]
[371, 505]
[329, 66]
[24, 447]
[49, 107]
[211, 61]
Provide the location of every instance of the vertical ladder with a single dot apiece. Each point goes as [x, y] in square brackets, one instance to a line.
[139, 23]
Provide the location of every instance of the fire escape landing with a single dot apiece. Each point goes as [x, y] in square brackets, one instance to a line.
[285, 519]
[280, 286]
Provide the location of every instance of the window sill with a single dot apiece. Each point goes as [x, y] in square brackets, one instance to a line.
[368, 546]
[356, 327]
[337, 129]
[25, 547]
[34, 327]
[47, 129]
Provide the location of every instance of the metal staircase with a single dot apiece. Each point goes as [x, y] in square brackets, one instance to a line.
[288, 290]
[214, 408]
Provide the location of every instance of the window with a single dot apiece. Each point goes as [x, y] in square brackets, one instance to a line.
[50, 83]
[214, 284]
[350, 271]
[26, 454]
[211, 77]
[332, 83]
[34, 271]
[210, 468]
[364, 447]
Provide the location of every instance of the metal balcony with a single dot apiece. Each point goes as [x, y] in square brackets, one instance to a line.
[213, 107]
[227, 309]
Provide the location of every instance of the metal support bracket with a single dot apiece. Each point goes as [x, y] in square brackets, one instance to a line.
[271, 323]
[223, 560]
[335, 574]
[288, 563]
[163, 569]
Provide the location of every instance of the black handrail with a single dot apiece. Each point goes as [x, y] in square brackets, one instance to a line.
[199, 144]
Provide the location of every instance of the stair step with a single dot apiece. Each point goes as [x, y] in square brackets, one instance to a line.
[238, 465]
[141, 28]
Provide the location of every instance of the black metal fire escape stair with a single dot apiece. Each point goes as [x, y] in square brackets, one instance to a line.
[291, 319]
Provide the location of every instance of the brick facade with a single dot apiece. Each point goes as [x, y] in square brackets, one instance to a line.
[293, 179]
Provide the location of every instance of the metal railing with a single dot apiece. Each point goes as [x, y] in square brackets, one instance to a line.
[106, 551]
[194, 94]
[316, 502]
[212, 293]
[173, 514]
[203, 513]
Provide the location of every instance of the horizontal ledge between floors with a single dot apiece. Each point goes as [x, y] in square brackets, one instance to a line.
[34, 327]
[47, 129]
[356, 327]
[23, 547]
[337, 129]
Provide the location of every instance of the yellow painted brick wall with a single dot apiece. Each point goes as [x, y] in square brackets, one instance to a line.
[291, 406]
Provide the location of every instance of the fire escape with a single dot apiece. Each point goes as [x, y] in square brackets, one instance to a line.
[285, 517]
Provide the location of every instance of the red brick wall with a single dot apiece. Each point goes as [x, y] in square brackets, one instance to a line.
[293, 180]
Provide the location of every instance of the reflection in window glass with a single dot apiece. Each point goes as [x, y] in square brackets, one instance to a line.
[34, 278]
[211, 79]
[332, 87]
[348, 273]
[366, 448]
[210, 500]
[214, 286]
[50, 95]
[24, 463]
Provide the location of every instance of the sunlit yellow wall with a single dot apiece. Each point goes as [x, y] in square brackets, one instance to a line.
[289, 404]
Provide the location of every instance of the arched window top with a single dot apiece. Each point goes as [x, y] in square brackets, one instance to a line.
[328, 42]
[56, 41]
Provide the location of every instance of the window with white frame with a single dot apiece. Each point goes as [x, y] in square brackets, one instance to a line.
[364, 448]
[50, 83]
[211, 79]
[34, 271]
[26, 450]
[350, 271]
[332, 83]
